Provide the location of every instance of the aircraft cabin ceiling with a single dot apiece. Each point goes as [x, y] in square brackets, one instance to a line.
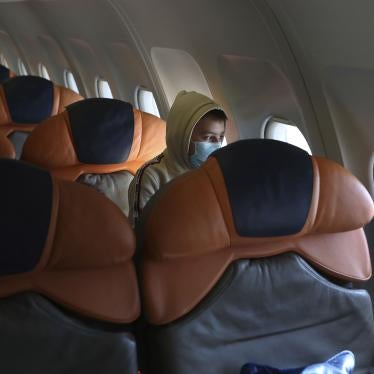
[306, 61]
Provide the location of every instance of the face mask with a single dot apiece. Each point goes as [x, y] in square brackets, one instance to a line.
[202, 151]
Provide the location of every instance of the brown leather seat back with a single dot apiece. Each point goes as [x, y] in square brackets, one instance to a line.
[97, 140]
[68, 289]
[25, 101]
[229, 259]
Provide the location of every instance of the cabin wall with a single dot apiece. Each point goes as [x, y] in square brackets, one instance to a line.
[234, 47]
[331, 43]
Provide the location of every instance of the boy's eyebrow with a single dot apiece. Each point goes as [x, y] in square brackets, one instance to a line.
[210, 133]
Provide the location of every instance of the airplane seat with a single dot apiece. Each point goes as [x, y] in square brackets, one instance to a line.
[98, 142]
[68, 287]
[25, 101]
[229, 261]
[5, 74]
[7, 149]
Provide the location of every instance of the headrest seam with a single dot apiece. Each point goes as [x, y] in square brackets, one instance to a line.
[218, 201]
[66, 117]
[50, 239]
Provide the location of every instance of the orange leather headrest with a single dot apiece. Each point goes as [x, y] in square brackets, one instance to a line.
[25, 101]
[66, 241]
[251, 199]
[95, 136]
[6, 148]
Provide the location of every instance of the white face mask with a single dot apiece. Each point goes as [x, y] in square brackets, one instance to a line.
[202, 152]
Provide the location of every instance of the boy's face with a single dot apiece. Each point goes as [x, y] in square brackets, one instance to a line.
[209, 130]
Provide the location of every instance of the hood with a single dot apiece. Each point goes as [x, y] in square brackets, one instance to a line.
[187, 110]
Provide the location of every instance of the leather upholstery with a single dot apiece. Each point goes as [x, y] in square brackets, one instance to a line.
[68, 289]
[66, 242]
[27, 100]
[204, 239]
[58, 144]
[32, 92]
[39, 337]
[274, 311]
[6, 148]
[221, 289]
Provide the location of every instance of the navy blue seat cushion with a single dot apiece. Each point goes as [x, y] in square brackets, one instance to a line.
[26, 203]
[270, 189]
[102, 130]
[29, 99]
[4, 73]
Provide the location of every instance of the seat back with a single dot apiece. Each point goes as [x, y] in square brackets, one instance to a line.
[5, 74]
[100, 142]
[240, 260]
[68, 289]
[25, 101]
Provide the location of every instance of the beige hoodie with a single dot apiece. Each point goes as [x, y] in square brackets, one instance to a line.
[187, 110]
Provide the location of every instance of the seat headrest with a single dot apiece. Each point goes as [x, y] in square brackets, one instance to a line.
[27, 100]
[96, 136]
[7, 149]
[102, 130]
[254, 198]
[5, 74]
[65, 241]
[267, 182]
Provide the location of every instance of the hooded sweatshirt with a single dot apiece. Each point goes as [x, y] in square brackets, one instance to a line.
[187, 110]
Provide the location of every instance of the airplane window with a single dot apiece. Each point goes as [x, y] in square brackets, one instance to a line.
[43, 72]
[3, 61]
[103, 89]
[22, 68]
[70, 81]
[146, 102]
[282, 130]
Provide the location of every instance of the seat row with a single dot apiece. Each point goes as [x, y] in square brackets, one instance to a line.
[244, 259]
[25, 101]
[99, 142]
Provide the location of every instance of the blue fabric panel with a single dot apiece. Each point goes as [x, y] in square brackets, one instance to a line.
[102, 130]
[25, 201]
[270, 186]
[4, 74]
[30, 99]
